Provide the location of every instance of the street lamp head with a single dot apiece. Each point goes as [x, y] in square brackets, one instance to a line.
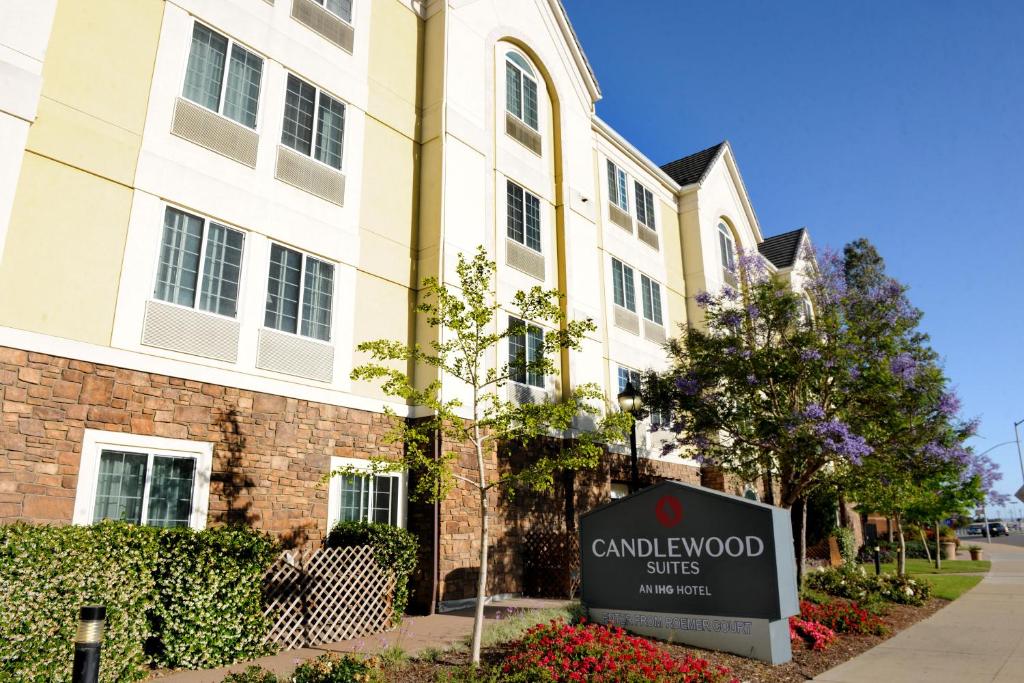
[629, 399]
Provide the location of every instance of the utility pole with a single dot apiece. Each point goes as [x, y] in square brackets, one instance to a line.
[1016, 434]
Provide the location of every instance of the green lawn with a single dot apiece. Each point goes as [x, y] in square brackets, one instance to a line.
[949, 586]
[926, 567]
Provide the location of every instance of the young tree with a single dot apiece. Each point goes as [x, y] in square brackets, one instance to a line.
[470, 332]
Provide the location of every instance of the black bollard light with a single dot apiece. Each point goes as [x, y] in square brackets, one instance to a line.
[88, 638]
[878, 561]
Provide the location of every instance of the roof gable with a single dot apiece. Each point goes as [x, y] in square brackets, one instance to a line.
[694, 168]
[782, 250]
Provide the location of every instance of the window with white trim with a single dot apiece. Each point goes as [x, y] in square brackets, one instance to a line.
[623, 289]
[644, 205]
[314, 122]
[199, 256]
[521, 90]
[618, 187]
[144, 480]
[300, 291]
[523, 216]
[228, 86]
[523, 350]
[626, 376]
[364, 495]
[727, 248]
[619, 489]
[339, 8]
[650, 292]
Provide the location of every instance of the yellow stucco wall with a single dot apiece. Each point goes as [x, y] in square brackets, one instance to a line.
[78, 169]
[675, 284]
[383, 310]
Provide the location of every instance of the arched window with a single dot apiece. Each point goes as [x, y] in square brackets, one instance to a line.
[807, 312]
[521, 90]
[727, 248]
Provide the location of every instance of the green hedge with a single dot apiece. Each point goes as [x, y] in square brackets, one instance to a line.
[393, 548]
[174, 597]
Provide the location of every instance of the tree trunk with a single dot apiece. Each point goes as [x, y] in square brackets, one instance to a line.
[889, 524]
[901, 566]
[938, 548]
[927, 552]
[769, 492]
[481, 584]
[798, 517]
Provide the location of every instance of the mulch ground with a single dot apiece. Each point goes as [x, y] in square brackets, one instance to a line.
[806, 664]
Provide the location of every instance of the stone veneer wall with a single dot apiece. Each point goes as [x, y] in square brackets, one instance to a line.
[270, 452]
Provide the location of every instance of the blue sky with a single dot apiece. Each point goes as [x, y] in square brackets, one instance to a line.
[902, 122]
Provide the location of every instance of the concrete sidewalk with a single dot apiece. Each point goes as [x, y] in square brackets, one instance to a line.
[415, 635]
[979, 638]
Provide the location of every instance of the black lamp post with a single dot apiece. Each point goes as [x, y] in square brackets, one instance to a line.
[629, 402]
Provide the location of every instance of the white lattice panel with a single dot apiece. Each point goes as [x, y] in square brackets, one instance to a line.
[627, 320]
[326, 595]
[188, 331]
[302, 172]
[323, 22]
[523, 393]
[620, 218]
[647, 236]
[524, 259]
[654, 332]
[523, 134]
[295, 355]
[214, 132]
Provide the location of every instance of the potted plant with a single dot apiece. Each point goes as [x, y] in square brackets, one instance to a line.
[976, 552]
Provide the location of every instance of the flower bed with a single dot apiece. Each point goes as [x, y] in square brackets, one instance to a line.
[817, 636]
[856, 584]
[843, 617]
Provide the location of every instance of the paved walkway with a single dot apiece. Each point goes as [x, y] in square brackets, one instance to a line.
[415, 635]
[979, 638]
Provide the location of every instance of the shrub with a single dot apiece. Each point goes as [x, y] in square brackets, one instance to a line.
[393, 547]
[904, 590]
[210, 613]
[843, 617]
[557, 652]
[252, 674]
[48, 572]
[856, 584]
[847, 545]
[333, 668]
[816, 636]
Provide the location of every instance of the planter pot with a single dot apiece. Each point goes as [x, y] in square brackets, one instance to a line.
[948, 550]
[976, 554]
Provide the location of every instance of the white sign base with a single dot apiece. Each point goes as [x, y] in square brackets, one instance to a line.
[755, 638]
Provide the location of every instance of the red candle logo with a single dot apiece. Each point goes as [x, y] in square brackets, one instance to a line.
[669, 511]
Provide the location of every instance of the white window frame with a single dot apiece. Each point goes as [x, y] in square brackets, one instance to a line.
[660, 299]
[224, 83]
[316, 122]
[540, 217]
[636, 284]
[242, 266]
[95, 441]
[521, 114]
[350, 21]
[529, 326]
[641, 200]
[365, 468]
[302, 294]
[620, 193]
[724, 231]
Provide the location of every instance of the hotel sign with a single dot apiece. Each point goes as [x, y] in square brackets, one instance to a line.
[693, 565]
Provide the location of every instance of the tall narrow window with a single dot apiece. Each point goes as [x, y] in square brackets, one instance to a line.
[627, 375]
[237, 95]
[314, 122]
[644, 205]
[339, 8]
[623, 290]
[727, 248]
[144, 488]
[523, 350]
[523, 221]
[618, 193]
[300, 289]
[198, 255]
[521, 90]
[650, 291]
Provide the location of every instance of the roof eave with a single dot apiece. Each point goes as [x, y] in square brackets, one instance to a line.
[573, 41]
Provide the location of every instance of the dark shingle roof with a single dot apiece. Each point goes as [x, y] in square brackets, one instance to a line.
[782, 249]
[691, 169]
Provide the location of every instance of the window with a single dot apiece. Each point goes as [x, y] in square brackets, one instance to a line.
[623, 291]
[314, 123]
[650, 291]
[618, 194]
[620, 489]
[523, 216]
[806, 310]
[363, 495]
[299, 293]
[339, 8]
[727, 248]
[144, 480]
[644, 205]
[236, 96]
[524, 349]
[194, 250]
[627, 375]
[521, 90]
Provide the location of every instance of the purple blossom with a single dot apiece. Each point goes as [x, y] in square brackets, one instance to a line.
[810, 354]
[688, 385]
[836, 437]
[904, 367]
[949, 404]
[745, 354]
[987, 472]
[732, 318]
[813, 412]
[753, 311]
[854, 372]
[704, 299]
[730, 293]
[753, 265]
[752, 380]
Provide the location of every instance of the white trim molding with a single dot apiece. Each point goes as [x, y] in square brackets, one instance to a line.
[358, 465]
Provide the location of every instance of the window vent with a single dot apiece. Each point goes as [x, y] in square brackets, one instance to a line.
[523, 134]
[654, 332]
[187, 331]
[294, 355]
[647, 236]
[306, 174]
[214, 132]
[323, 22]
[524, 259]
[620, 218]
[627, 320]
[525, 394]
[730, 278]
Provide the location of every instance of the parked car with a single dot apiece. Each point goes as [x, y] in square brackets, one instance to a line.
[998, 529]
[976, 530]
